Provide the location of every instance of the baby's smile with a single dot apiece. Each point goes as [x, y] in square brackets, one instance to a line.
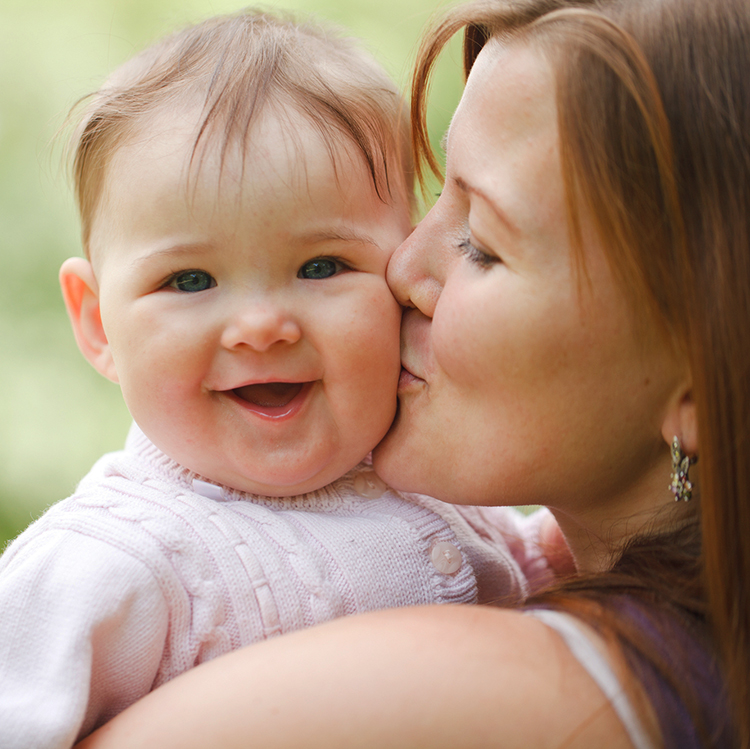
[269, 394]
[272, 400]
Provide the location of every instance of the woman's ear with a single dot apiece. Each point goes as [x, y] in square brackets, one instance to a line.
[80, 292]
[680, 421]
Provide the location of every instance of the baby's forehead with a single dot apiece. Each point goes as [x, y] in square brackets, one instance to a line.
[164, 168]
[182, 139]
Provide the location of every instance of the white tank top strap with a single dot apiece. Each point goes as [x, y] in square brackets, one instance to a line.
[586, 653]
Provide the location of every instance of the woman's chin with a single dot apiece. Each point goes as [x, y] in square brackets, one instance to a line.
[395, 462]
[385, 458]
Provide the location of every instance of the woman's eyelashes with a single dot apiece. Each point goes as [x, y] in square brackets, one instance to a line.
[321, 267]
[477, 256]
[191, 281]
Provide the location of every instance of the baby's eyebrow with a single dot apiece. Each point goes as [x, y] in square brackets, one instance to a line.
[337, 235]
[343, 234]
[167, 252]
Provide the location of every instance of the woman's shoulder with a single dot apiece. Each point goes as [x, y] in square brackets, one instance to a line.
[434, 676]
[509, 676]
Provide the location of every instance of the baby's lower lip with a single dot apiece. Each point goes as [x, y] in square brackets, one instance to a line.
[272, 400]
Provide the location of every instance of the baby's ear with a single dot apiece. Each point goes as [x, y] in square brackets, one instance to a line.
[81, 295]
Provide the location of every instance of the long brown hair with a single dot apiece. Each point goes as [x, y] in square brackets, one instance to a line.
[654, 120]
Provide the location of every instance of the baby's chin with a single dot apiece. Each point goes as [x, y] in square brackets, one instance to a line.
[285, 483]
[268, 468]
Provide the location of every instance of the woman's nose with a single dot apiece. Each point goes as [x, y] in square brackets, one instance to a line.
[259, 326]
[416, 271]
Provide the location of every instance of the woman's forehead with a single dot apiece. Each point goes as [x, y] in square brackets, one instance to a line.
[503, 142]
[510, 95]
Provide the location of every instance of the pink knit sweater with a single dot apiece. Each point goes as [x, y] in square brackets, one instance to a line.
[148, 570]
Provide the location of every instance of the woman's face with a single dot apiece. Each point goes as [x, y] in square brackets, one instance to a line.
[520, 385]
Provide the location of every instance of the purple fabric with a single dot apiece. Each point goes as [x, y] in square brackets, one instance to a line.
[680, 675]
[686, 654]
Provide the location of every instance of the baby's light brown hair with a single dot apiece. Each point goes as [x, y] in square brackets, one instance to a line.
[234, 67]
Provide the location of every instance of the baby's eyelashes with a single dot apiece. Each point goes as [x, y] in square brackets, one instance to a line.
[191, 281]
[322, 267]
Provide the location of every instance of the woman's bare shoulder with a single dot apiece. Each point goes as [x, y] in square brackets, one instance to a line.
[442, 676]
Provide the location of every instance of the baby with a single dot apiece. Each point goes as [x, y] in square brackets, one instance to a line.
[242, 185]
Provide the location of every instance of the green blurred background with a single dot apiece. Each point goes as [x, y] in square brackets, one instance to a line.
[57, 416]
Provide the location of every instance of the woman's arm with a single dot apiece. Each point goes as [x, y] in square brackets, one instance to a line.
[427, 677]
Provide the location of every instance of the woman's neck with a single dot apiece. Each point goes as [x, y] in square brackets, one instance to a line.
[598, 532]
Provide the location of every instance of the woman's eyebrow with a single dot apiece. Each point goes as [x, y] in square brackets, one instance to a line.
[462, 185]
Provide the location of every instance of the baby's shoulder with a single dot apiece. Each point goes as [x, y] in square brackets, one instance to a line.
[119, 509]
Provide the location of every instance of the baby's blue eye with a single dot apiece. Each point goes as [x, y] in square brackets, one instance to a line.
[192, 280]
[320, 267]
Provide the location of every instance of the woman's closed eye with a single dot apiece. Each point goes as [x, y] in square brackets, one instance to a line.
[321, 267]
[477, 256]
[192, 281]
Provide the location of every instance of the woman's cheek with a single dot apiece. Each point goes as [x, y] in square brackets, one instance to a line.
[465, 336]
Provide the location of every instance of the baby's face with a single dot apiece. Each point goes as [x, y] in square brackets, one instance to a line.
[250, 325]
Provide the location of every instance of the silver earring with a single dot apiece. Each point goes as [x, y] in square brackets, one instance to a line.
[681, 486]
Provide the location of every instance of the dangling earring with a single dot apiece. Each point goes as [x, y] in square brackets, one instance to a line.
[681, 486]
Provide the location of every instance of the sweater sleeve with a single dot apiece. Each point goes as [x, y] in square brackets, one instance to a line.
[82, 632]
[507, 528]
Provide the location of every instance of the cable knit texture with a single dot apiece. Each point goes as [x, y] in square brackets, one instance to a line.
[148, 570]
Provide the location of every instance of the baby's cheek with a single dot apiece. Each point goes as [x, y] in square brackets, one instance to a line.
[389, 334]
[381, 315]
[377, 359]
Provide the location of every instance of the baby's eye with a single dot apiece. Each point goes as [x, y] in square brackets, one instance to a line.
[192, 280]
[320, 267]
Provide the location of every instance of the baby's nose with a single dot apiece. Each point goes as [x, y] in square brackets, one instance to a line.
[260, 326]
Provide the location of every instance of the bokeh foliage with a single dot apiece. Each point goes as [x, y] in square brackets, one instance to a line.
[56, 414]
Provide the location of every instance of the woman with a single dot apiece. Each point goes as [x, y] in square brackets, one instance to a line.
[576, 311]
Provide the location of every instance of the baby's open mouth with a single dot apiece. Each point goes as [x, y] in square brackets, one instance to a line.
[269, 394]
